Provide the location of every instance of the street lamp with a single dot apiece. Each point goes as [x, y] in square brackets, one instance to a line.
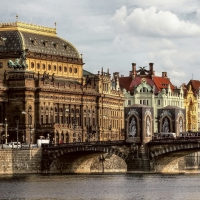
[6, 130]
[17, 122]
[29, 123]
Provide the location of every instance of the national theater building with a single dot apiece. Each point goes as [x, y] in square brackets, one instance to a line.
[44, 90]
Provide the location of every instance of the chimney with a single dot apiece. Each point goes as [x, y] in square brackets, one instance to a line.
[164, 74]
[151, 68]
[116, 74]
[133, 70]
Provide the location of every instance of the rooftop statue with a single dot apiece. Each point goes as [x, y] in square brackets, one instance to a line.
[19, 63]
[142, 71]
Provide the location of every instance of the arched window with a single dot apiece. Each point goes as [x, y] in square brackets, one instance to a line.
[49, 67]
[75, 70]
[70, 70]
[38, 65]
[43, 66]
[54, 67]
[65, 69]
[60, 68]
[32, 64]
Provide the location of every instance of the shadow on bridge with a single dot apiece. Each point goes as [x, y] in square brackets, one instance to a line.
[85, 157]
[165, 155]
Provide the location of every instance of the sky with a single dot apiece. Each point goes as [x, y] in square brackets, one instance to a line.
[113, 34]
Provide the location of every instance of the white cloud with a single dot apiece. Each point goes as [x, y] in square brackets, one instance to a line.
[151, 23]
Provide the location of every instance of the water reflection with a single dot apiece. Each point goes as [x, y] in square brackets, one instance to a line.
[100, 187]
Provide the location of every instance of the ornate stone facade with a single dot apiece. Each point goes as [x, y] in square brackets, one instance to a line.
[52, 96]
[143, 87]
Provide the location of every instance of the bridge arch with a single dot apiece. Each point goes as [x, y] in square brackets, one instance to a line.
[86, 159]
[166, 159]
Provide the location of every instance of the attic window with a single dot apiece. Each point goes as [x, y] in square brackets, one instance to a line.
[70, 70]
[65, 46]
[45, 43]
[55, 44]
[33, 41]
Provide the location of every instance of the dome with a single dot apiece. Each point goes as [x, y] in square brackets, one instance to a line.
[18, 36]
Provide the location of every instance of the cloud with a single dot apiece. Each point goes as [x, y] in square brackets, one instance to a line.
[151, 23]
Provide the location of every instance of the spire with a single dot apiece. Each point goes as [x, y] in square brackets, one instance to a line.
[102, 70]
[17, 16]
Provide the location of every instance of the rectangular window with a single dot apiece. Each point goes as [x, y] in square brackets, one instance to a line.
[52, 119]
[129, 102]
[61, 120]
[93, 121]
[56, 119]
[140, 101]
[158, 102]
[85, 123]
[42, 119]
[47, 119]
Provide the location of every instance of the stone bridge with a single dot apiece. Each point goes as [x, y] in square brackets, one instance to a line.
[116, 156]
[86, 157]
[164, 155]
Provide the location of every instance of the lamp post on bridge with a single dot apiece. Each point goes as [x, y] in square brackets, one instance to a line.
[29, 124]
[6, 131]
[17, 122]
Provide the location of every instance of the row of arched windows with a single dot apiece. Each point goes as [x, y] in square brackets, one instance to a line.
[54, 68]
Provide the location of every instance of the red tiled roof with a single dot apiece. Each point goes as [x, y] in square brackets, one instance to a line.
[195, 84]
[125, 82]
[158, 82]
[162, 82]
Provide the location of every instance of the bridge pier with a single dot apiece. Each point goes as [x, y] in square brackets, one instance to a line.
[138, 159]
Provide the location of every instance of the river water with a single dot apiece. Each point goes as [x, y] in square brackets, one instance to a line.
[101, 187]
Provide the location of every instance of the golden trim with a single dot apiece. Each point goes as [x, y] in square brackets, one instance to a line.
[33, 28]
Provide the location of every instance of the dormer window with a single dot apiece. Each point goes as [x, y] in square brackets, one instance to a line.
[65, 46]
[33, 41]
[55, 44]
[45, 43]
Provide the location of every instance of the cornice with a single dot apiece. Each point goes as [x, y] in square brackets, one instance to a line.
[27, 27]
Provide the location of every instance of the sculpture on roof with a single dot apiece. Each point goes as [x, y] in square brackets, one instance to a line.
[19, 63]
[142, 71]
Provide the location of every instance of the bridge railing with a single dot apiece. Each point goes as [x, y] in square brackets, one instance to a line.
[92, 143]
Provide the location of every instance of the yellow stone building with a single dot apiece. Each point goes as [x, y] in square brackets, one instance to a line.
[191, 107]
[44, 90]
